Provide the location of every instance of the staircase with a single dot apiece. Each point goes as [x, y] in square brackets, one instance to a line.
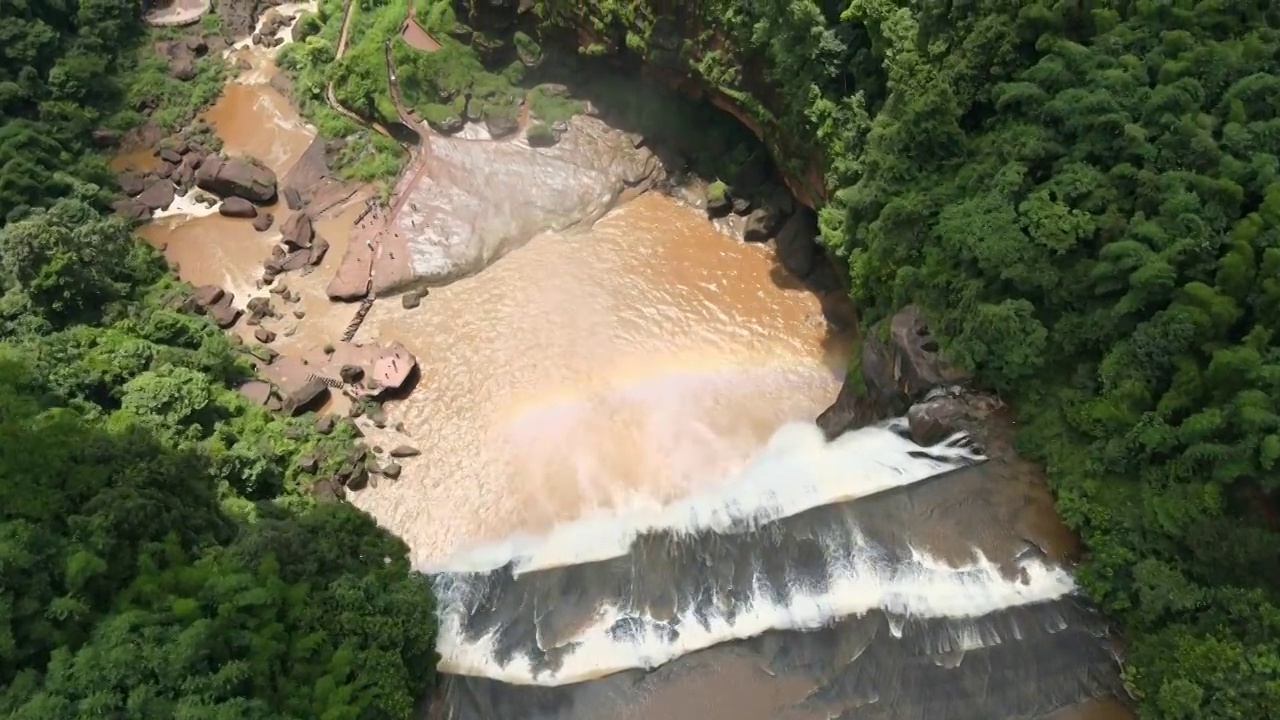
[365, 306]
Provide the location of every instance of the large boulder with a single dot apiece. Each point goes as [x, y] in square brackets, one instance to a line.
[237, 207]
[798, 249]
[159, 195]
[934, 420]
[761, 224]
[131, 209]
[298, 231]
[309, 396]
[237, 177]
[131, 183]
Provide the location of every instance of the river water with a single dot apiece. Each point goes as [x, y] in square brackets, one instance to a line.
[626, 509]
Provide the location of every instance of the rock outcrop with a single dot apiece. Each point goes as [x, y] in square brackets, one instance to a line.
[900, 364]
[237, 207]
[479, 200]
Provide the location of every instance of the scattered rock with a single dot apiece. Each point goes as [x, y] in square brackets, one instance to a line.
[741, 206]
[299, 314]
[263, 222]
[410, 300]
[392, 470]
[259, 308]
[324, 424]
[404, 451]
[351, 374]
[264, 335]
[238, 207]
[170, 155]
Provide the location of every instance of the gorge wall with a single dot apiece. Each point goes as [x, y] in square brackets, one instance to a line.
[672, 44]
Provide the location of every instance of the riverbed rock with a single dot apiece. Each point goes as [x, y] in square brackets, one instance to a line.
[264, 335]
[319, 248]
[292, 198]
[298, 231]
[309, 396]
[170, 155]
[483, 199]
[404, 451]
[237, 207]
[237, 177]
[392, 470]
[263, 222]
[410, 300]
[259, 308]
[159, 195]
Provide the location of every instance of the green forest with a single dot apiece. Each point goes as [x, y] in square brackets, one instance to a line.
[161, 555]
[1084, 195]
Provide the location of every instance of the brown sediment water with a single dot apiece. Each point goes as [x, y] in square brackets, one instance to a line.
[254, 119]
[628, 363]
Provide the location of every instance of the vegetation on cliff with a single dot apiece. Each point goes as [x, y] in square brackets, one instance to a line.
[161, 555]
[1086, 199]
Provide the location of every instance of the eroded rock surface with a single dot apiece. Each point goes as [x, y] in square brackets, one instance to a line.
[478, 199]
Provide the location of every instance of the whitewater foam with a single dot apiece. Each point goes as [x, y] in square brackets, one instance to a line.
[796, 471]
[921, 588]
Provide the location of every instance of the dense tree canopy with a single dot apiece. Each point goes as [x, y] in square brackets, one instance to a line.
[160, 555]
[1084, 196]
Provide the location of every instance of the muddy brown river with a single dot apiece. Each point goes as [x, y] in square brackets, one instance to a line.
[625, 507]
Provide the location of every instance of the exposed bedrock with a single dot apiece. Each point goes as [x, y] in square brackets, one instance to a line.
[476, 200]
